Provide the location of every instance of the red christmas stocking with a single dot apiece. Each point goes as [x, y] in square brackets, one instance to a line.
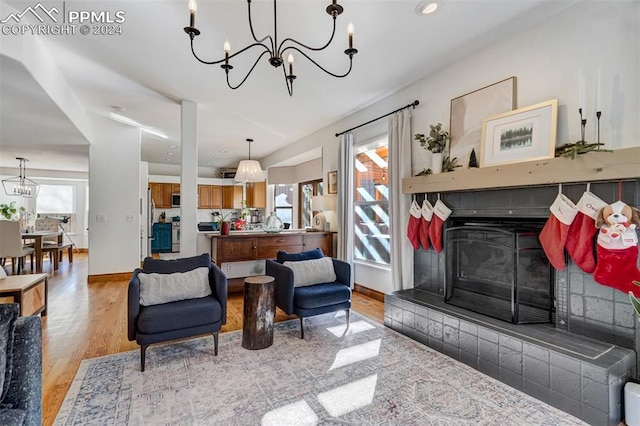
[427, 214]
[554, 234]
[618, 269]
[413, 229]
[583, 228]
[618, 258]
[440, 214]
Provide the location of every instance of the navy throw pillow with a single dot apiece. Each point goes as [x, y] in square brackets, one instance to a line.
[169, 266]
[283, 256]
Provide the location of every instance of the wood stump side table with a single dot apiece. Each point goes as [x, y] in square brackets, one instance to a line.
[258, 312]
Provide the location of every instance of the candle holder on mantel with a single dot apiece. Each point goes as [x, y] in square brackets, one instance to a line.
[573, 149]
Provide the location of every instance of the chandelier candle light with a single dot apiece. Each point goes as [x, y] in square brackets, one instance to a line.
[269, 44]
[21, 186]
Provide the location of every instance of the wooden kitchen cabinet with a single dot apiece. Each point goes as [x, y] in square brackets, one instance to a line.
[209, 196]
[175, 188]
[257, 246]
[231, 197]
[161, 194]
[237, 249]
[257, 195]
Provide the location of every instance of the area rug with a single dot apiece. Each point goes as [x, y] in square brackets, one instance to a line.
[369, 375]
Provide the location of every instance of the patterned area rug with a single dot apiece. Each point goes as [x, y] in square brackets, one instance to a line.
[366, 376]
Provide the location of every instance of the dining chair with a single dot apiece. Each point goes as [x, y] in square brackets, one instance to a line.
[11, 245]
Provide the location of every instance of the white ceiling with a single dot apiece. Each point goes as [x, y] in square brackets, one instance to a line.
[149, 69]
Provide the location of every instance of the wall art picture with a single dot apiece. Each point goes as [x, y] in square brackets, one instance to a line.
[468, 112]
[525, 134]
[332, 182]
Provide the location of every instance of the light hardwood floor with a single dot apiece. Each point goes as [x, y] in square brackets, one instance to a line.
[90, 320]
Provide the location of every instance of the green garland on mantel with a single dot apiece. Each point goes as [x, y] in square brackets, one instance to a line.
[572, 150]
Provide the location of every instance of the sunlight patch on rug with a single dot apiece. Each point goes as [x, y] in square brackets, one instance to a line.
[350, 397]
[295, 414]
[356, 353]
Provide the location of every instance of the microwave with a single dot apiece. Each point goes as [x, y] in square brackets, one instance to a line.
[175, 200]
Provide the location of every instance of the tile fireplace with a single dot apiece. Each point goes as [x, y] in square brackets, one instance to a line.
[579, 346]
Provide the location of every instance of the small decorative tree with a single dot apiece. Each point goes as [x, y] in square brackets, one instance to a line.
[473, 160]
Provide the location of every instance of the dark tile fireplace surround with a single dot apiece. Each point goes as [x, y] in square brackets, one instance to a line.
[578, 362]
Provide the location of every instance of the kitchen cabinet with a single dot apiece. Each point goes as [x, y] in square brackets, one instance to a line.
[257, 195]
[161, 194]
[161, 242]
[231, 197]
[209, 196]
[175, 188]
[258, 246]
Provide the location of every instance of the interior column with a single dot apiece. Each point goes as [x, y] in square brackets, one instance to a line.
[189, 179]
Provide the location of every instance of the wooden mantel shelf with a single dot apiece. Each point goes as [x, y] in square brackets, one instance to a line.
[589, 167]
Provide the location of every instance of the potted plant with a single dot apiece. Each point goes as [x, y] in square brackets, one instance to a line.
[436, 142]
[8, 211]
[224, 226]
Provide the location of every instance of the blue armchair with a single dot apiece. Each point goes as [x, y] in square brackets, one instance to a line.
[314, 299]
[21, 403]
[181, 318]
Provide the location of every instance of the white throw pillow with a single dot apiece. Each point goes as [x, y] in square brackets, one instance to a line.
[164, 288]
[309, 272]
[3, 273]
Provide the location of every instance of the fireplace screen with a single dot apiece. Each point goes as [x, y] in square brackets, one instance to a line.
[500, 271]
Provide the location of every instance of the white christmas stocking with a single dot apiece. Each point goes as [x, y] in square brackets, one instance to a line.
[440, 214]
[554, 234]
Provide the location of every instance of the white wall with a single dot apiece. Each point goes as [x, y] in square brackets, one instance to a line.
[114, 195]
[546, 60]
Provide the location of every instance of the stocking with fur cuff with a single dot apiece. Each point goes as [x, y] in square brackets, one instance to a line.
[413, 229]
[553, 236]
[427, 214]
[440, 214]
[580, 237]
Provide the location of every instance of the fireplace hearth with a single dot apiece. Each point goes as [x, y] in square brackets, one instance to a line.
[499, 269]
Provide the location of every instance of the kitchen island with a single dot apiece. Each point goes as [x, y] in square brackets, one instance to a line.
[240, 246]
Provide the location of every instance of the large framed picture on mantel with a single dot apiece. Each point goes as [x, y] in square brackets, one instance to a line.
[468, 112]
[526, 134]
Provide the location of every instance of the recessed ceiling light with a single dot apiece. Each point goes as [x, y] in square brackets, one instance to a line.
[168, 160]
[426, 7]
[170, 153]
[222, 151]
[173, 146]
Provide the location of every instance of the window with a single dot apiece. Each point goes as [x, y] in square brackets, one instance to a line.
[371, 210]
[58, 201]
[283, 202]
[306, 191]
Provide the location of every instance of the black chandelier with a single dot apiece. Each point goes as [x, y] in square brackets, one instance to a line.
[276, 51]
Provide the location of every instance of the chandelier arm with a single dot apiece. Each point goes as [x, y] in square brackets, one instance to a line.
[231, 56]
[320, 66]
[288, 82]
[253, 34]
[246, 76]
[333, 33]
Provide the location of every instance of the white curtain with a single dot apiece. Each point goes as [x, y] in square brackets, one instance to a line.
[345, 201]
[399, 168]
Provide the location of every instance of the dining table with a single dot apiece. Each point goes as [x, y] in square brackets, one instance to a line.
[38, 238]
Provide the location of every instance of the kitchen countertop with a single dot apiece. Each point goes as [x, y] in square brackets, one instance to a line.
[212, 234]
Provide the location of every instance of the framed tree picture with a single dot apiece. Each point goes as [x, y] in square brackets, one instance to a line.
[525, 134]
[468, 112]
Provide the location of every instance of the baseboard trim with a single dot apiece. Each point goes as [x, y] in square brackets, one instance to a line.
[82, 250]
[103, 278]
[369, 292]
